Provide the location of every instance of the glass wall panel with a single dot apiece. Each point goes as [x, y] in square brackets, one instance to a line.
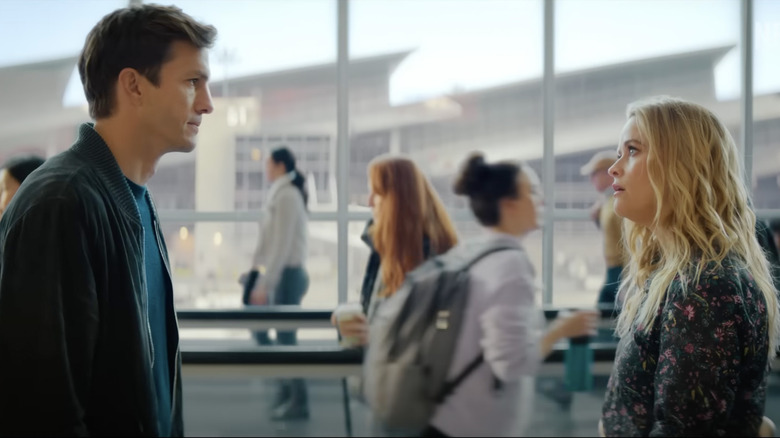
[274, 84]
[438, 88]
[207, 259]
[609, 53]
[766, 105]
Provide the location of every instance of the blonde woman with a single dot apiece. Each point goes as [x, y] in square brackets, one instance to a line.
[700, 320]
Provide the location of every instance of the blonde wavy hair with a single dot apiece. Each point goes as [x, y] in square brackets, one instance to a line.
[703, 213]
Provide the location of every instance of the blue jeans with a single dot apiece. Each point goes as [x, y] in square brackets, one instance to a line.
[291, 393]
[607, 296]
[290, 291]
[611, 284]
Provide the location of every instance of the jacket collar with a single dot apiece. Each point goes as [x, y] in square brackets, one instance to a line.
[277, 185]
[91, 146]
[498, 237]
[366, 235]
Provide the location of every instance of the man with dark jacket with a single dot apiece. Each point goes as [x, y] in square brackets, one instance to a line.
[89, 341]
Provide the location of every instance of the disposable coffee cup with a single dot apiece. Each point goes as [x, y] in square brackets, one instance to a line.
[346, 312]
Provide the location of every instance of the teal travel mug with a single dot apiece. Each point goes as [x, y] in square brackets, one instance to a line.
[579, 361]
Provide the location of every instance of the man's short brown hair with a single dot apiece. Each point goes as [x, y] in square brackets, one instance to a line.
[137, 37]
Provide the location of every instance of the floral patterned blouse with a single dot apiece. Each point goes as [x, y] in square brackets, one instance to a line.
[702, 369]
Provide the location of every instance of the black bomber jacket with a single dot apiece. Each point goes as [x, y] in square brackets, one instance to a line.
[75, 340]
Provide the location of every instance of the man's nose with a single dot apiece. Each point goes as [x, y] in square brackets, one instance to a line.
[205, 105]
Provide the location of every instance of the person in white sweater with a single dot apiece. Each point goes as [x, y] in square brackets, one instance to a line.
[278, 275]
[502, 319]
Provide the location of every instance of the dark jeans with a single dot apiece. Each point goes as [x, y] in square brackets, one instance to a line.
[554, 387]
[607, 296]
[292, 287]
[290, 291]
[611, 284]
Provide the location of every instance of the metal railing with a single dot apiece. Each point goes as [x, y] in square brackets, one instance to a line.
[323, 361]
[293, 317]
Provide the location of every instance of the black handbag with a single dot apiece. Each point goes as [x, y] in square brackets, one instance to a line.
[249, 284]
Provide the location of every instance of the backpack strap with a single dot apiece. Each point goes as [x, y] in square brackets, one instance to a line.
[486, 252]
[450, 386]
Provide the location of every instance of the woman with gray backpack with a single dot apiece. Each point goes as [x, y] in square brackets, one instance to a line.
[447, 350]
[500, 321]
[409, 226]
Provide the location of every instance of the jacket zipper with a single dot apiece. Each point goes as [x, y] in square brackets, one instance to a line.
[175, 317]
[146, 298]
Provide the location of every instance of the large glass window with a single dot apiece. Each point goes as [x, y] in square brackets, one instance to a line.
[274, 84]
[441, 88]
[578, 265]
[207, 259]
[609, 53]
[766, 105]
[431, 79]
[438, 90]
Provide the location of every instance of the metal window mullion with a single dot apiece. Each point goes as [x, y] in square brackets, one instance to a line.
[746, 101]
[342, 135]
[548, 157]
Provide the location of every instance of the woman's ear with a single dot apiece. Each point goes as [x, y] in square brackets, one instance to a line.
[508, 204]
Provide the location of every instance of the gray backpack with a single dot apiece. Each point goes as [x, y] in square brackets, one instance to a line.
[412, 340]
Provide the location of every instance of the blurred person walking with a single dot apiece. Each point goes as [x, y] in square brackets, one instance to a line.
[88, 333]
[611, 225]
[278, 275]
[12, 175]
[614, 254]
[501, 318]
[409, 225]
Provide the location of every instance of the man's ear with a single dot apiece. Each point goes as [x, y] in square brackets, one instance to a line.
[129, 86]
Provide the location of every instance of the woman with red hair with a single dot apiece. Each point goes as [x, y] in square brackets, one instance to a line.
[409, 225]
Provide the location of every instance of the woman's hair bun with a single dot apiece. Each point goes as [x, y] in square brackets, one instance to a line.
[473, 176]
